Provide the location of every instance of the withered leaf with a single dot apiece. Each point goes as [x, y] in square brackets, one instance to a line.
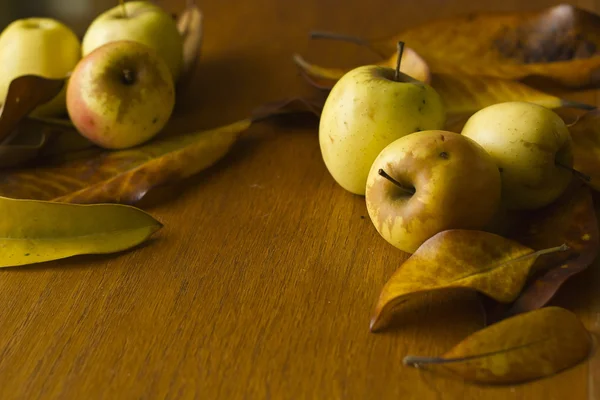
[586, 146]
[518, 349]
[58, 231]
[190, 27]
[561, 43]
[459, 259]
[462, 94]
[571, 220]
[25, 93]
[126, 176]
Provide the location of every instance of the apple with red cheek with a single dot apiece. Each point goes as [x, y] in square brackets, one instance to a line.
[120, 95]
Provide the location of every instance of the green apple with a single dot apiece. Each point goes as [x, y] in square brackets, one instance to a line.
[367, 109]
[143, 22]
[120, 95]
[38, 46]
[532, 147]
[428, 182]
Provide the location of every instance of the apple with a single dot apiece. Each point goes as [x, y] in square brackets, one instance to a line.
[142, 22]
[532, 147]
[367, 109]
[38, 46]
[120, 95]
[428, 182]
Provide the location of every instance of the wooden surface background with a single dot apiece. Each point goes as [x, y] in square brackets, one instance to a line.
[262, 282]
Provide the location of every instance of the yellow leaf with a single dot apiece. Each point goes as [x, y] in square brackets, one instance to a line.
[37, 231]
[518, 349]
[459, 259]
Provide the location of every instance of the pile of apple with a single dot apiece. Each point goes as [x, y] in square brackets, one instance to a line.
[380, 136]
[120, 89]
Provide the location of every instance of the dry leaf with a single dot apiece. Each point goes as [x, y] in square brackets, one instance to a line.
[37, 231]
[190, 27]
[25, 93]
[586, 146]
[462, 95]
[126, 176]
[459, 259]
[522, 348]
[412, 64]
[123, 176]
[571, 220]
[560, 42]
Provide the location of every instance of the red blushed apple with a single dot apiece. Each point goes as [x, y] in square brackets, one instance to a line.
[428, 182]
[120, 95]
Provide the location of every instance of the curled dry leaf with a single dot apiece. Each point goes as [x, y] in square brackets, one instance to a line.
[462, 95]
[190, 26]
[571, 220]
[37, 231]
[126, 176]
[459, 259]
[522, 348]
[561, 43]
[586, 146]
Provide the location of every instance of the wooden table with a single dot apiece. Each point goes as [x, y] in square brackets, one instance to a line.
[261, 284]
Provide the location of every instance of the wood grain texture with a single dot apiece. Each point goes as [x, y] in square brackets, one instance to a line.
[262, 282]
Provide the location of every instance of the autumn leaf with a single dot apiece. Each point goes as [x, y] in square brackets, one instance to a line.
[560, 43]
[571, 220]
[190, 27]
[519, 349]
[461, 94]
[126, 176]
[459, 259]
[586, 146]
[37, 231]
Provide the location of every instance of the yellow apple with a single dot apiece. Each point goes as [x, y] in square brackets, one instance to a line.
[145, 23]
[429, 182]
[367, 109]
[38, 46]
[120, 95]
[532, 147]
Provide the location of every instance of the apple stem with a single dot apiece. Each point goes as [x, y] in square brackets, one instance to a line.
[395, 182]
[128, 77]
[398, 61]
[124, 8]
[578, 174]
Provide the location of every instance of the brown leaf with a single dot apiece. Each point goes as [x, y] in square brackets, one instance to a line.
[462, 95]
[522, 348]
[126, 176]
[25, 93]
[190, 27]
[586, 146]
[561, 43]
[412, 65]
[571, 220]
[459, 259]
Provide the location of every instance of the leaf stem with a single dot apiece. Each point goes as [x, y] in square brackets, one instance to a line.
[399, 61]
[339, 36]
[579, 174]
[384, 174]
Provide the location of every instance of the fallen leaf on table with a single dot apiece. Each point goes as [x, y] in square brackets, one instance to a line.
[25, 93]
[190, 26]
[459, 259]
[571, 220]
[462, 95]
[561, 43]
[37, 231]
[519, 349]
[412, 65]
[586, 146]
[126, 176]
